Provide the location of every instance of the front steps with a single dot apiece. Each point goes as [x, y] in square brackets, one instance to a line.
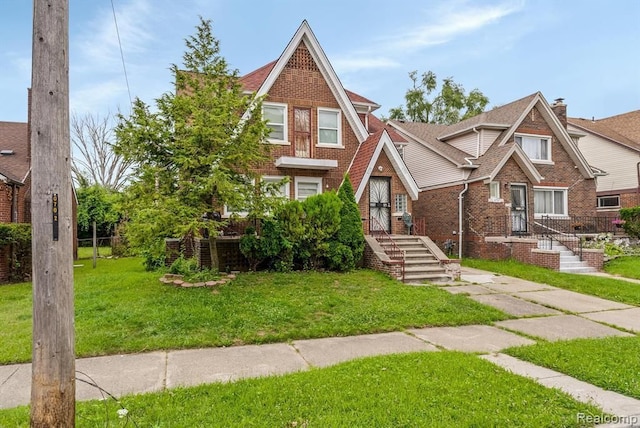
[569, 262]
[419, 262]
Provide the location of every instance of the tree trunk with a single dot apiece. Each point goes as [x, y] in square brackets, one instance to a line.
[213, 250]
[53, 366]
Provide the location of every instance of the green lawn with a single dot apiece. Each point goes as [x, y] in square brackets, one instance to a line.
[120, 308]
[612, 363]
[87, 252]
[439, 389]
[628, 266]
[607, 288]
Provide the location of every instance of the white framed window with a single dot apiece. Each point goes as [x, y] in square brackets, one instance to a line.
[276, 116]
[550, 201]
[238, 210]
[282, 190]
[537, 147]
[401, 205]
[494, 192]
[307, 186]
[329, 129]
[612, 201]
[400, 148]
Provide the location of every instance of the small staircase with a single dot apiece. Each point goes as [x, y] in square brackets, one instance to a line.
[569, 262]
[419, 262]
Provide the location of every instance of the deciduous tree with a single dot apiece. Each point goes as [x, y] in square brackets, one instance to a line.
[450, 105]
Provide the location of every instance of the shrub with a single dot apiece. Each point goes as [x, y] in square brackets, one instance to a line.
[17, 237]
[322, 222]
[350, 233]
[631, 217]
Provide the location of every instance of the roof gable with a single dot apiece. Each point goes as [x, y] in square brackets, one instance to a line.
[366, 157]
[306, 36]
[493, 161]
[14, 141]
[608, 130]
[561, 133]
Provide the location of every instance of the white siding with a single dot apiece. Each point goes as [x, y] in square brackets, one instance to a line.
[618, 161]
[428, 168]
[468, 143]
[487, 137]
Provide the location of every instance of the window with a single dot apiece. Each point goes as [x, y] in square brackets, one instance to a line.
[307, 186]
[281, 190]
[537, 148]
[494, 191]
[401, 205]
[552, 202]
[276, 116]
[239, 209]
[401, 150]
[329, 127]
[609, 201]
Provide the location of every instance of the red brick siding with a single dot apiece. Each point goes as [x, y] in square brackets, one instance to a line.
[397, 187]
[439, 208]
[301, 84]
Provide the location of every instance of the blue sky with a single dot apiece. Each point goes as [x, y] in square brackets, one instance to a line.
[585, 51]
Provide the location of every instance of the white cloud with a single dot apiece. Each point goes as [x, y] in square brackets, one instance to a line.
[453, 20]
[94, 98]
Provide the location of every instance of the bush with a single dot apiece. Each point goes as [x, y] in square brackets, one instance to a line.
[631, 217]
[350, 233]
[17, 238]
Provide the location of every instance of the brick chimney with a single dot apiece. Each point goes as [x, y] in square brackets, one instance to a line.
[560, 109]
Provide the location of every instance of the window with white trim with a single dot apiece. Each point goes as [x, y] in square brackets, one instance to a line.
[551, 202]
[239, 209]
[612, 201]
[401, 204]
[494, 191]
[329, 132]
[282, 189]
[537, 147]
[276, 117]
[307, 186]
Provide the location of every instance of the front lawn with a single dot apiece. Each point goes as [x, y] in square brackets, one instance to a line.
[610, 363]
[434, 389]
[606, 288]
[120, 308]
[628, 266]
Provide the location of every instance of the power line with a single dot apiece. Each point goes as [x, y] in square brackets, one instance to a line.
[124, 67]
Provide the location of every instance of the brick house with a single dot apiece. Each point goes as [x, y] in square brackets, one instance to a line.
[491, 181]
[613, 144]
[15, 181]
[320, 131]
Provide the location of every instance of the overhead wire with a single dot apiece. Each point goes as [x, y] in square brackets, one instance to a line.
[124, 67]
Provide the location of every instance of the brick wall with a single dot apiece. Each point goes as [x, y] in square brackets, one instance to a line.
[375, 258]
[301, 84]
[439, 208]
[398, 226]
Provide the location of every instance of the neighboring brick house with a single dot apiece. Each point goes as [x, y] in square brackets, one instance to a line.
[498, 174]
[613, 144]
[320, 131]
[15, 181]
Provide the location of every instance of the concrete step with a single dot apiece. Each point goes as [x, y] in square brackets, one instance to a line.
[425, 269]
[421, 261]
[433, 277]
[581, 269]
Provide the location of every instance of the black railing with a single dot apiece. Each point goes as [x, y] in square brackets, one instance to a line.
[377, 230]
[575, 225]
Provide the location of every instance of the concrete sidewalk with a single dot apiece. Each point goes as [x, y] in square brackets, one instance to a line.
[544, 312]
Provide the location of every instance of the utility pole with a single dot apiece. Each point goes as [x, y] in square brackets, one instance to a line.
[53, 373]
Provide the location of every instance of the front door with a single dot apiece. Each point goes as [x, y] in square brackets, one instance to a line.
[518, 208]
[302, 132]
[380, 203]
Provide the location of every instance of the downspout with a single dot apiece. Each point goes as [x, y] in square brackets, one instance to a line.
[477, 142]
[14, 204]
[460, 228]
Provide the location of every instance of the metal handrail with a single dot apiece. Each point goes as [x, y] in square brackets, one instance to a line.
[393, 250]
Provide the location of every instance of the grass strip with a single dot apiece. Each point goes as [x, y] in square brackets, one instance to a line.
[627, 266]
[443, 389]
[612, 363]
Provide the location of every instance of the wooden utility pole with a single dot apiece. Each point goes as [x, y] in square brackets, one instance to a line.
[53, 373]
